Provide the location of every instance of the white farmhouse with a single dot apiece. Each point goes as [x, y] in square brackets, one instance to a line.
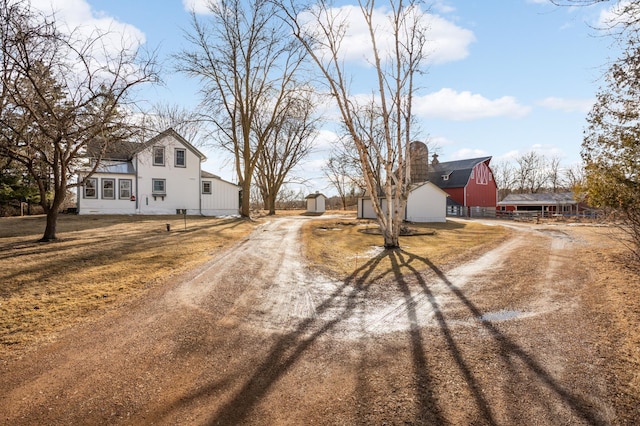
[160, 176]
[425, 203]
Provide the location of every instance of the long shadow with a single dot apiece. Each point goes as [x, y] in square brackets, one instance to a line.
[289, 348]
[398, 261]
[283, 354]
[579, 406]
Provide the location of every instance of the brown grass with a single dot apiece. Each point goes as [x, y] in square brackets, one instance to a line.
[99, 261]
[339, 247]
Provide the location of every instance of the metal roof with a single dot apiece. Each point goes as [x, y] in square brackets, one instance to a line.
[559, 198]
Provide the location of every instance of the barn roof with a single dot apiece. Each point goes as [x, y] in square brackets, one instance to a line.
[538, 199]
[454, 174]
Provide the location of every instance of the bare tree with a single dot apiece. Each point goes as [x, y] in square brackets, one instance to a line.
[247, 65]
[321, 29]
[505, 177]
[287, 141]
[574, 178]
[59, 92]
[190, 124]
[531, 173]
[338, 175]
[554, 174]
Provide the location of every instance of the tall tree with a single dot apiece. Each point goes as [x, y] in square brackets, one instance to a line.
[611, 146]
[287, 142]
[247, 65]
[60, 91]
[396, 50]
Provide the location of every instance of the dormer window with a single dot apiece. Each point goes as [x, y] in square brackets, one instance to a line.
[446, 177]
[158, 156]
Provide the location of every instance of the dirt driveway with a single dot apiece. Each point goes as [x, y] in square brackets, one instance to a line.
[254, 337]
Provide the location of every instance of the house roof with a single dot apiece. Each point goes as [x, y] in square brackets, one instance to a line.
[454, 174]
[560, 198]
[121, 167]
[207, 175]
[125, 150]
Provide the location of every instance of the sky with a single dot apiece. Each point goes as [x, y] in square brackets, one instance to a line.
[503, 77]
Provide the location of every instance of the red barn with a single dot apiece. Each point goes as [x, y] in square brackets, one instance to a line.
[470, 184]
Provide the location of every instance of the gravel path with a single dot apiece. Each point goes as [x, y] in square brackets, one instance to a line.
[254, 337]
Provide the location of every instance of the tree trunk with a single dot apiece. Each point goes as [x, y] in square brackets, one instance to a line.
[271, 204]
[245, 205]
[52, 221]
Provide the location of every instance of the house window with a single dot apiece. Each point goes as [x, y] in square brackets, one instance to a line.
[108, 189]
[125, 189]
[181, 157]
[158, 156]
[159, 186]
[206, 187]
[90, 188]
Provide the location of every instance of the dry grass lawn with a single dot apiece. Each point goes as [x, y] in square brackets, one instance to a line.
[340, 246]
[99, 261]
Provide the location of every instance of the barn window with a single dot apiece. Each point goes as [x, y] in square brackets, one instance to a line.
[206, 187]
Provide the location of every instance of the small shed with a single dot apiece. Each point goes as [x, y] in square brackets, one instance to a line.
[316, 203]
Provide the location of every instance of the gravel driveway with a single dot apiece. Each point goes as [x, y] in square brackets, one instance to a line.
[255, 337]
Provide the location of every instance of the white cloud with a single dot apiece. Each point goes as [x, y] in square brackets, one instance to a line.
[443, 7]
[325, 138]
[200, 7]
[446, 41]
[567, 105]
[77, 15]
[465, 153]
[464, 106]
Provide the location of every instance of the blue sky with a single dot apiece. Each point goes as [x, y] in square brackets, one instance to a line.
[506, 76]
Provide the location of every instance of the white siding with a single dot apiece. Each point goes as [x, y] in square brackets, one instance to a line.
[224, 199]
[427, 203]
[182, 183]
[316, 204]
[365, 209]
[100, 205]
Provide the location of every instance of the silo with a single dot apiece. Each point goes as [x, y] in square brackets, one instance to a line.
[419, 161]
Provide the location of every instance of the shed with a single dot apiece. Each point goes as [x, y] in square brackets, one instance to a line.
[425, 203]
[316, 203]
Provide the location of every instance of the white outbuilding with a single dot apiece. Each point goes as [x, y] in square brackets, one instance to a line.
[425, 203]
[316, 203]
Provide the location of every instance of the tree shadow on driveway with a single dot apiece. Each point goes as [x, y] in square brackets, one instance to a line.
[407, 272]
[507, 348]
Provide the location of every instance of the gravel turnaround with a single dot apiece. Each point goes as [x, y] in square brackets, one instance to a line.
[254, 337]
